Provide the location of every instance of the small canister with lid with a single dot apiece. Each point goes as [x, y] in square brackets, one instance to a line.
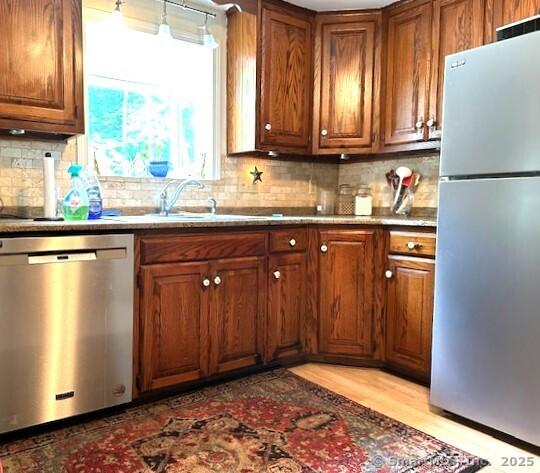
[363, 201]
[345, 200]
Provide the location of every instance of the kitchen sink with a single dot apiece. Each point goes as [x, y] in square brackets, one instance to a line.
[184, 216]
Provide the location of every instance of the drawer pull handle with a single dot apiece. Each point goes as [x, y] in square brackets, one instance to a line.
[324, 248]
[292, 242]
[388, 274]
[277, 274]
[268, 127]
[217, 280]
[412, 245]
[206, 282]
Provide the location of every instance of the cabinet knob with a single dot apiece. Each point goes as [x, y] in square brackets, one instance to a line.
[388, 274]
[324, 132]
[431, 122]
[206, 282]
[324, 248]
[277, 274]
[268, 127]
[412, 245]
[217, 280]
[292, 242]
[419, 124]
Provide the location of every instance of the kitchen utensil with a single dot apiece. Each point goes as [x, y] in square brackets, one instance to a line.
[402, 172]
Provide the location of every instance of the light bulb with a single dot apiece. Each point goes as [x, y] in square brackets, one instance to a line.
[164, 29]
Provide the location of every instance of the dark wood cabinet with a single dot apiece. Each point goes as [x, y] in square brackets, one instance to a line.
[458, 25]
[237, 313]
[347, 83]
[346, 292]
[406, 86]
[285, 80]
[269, 80]
[409, 315]
[286, 305]
[174, 313]
[504, 12]
[41, 78]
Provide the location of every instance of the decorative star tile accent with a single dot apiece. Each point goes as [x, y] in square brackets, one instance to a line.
[256, 175]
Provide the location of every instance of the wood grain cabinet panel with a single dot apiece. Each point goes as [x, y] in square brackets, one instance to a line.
[286, 305]
[237, 314]
[458, 25]
[285, 80]
[174, 308]
[504, 12]
[346, 288]
[408, 53]
[41, 86]
[409, 315]
[346, 83]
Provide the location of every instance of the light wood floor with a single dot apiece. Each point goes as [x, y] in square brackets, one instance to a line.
[408, 402]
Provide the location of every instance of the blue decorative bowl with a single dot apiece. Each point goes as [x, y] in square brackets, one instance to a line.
[159, 168]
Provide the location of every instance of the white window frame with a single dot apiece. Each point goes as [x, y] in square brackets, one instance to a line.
[187, 34]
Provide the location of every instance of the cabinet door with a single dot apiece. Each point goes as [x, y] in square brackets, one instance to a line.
[347, 84]
[346, 293]
[407, 74]
[174, 307]
[504, 12]
[41, 66]
[409, 315]
[458, 25]
[286, 305]
[237, 314]
[285, 101]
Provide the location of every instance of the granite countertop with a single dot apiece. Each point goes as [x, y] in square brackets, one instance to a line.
[111, 224]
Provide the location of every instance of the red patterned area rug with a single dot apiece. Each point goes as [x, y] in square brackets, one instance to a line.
[274, 422]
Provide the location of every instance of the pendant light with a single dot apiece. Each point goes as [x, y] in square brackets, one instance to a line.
[117, 19]
[208, 38]
[164, 28]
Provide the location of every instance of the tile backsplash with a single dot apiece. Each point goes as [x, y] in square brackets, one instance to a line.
[285, 184]
[373, 173]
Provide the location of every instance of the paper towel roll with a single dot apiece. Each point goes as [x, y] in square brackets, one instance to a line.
[49, 187]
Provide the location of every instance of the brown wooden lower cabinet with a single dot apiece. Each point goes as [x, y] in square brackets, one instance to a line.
[409, 312]
[237, 309]
[286, 305]
[245, 304]
[346, 288]
[174, 311]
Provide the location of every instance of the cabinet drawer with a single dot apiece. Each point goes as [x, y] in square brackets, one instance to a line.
[411, 243]
[294, 239]
[166, 249]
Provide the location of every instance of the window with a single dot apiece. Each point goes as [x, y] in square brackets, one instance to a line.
[149, 99]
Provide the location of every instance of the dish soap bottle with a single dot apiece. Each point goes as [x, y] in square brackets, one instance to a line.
[93, 189]
[75, 204]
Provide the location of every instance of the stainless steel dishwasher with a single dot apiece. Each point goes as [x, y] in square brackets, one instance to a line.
[66, 326]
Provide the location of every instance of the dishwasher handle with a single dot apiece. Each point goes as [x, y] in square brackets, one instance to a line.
[62, 258]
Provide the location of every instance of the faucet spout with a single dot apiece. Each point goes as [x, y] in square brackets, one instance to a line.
[166, 205]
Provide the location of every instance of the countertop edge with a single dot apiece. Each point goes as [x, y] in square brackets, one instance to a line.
[139, 224]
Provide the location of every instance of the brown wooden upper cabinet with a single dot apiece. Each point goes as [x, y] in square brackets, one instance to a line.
[285, 92]
[346, 83]
[41, 78]
[408, 53]
[504, 12]
[269, 91]
[419, 37]
[346, 298]
[458, 25]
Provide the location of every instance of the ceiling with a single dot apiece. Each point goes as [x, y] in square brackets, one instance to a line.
[328, 5]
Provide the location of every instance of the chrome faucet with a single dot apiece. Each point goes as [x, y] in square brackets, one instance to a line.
[165, 205]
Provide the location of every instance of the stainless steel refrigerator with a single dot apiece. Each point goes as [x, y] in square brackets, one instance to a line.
[486, 340]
